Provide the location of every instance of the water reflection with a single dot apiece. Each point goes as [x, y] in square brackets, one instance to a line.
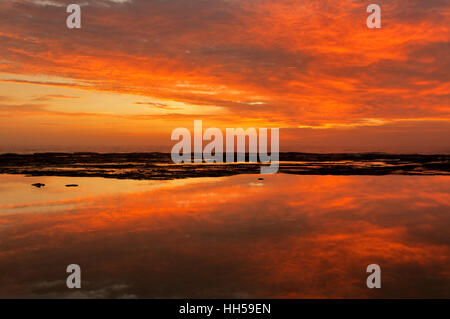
[286, 236]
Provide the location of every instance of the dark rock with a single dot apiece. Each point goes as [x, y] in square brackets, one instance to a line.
[38, 185]
[152, 166]
[72, 185]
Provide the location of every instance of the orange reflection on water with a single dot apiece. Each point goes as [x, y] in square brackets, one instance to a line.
[286, 236]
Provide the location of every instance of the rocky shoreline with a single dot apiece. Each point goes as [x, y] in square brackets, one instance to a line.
[159, 166]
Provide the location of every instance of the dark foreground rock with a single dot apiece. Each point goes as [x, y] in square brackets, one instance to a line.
[159, 166]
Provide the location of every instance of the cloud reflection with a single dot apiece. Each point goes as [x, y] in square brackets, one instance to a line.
[294, 236]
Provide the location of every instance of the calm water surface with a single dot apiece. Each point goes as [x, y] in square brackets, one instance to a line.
[284, 237]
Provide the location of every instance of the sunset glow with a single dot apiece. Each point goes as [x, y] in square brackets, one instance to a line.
[138, 69]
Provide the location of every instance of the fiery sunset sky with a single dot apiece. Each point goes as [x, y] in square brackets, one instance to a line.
[137, 69]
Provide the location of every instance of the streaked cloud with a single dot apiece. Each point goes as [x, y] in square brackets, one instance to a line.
[293, 64]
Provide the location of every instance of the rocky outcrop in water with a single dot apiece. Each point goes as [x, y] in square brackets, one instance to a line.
[159, 166]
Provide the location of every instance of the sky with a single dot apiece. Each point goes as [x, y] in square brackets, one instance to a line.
[138, 69]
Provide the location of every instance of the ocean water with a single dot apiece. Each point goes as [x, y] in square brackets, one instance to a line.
[287, 236]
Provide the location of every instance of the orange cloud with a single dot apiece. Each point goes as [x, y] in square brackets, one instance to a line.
[280, 62]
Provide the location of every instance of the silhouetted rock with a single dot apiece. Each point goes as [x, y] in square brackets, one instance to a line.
[38, 185]
[159, 166]
[260, 179]
[72, 185]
